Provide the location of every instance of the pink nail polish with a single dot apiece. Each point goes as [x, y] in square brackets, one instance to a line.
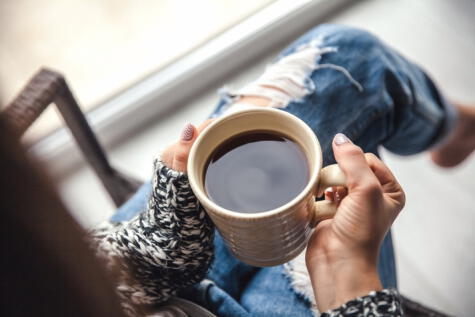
[341, 139]
[188, 132]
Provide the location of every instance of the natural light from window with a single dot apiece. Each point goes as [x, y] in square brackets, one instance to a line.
[102, 47]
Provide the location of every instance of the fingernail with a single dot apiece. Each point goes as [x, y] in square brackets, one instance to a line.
[341, 139]
[188, 132]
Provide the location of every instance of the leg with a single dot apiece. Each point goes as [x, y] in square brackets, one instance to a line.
[339, 79]
[135, 205]
[357, 85]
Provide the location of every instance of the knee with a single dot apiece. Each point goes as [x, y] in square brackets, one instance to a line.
[342, 36]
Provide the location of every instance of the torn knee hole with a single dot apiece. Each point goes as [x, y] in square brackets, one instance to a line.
[289, 78]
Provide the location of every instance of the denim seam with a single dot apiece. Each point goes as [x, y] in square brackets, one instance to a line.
[358, 131]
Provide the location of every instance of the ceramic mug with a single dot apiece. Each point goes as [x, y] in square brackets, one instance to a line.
[276, 236]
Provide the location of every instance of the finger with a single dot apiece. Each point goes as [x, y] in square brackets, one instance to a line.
[340, 193]
[389, 183]
[205, 124]
[352, 161]
[167, 155]
[329, 194]
[182, 149]
[380, 170]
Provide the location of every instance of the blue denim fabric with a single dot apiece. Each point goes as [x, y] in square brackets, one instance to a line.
[399, 108]
[136, 204]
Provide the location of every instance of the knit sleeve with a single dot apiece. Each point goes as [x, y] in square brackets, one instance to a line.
[382, 303]
[162, 250]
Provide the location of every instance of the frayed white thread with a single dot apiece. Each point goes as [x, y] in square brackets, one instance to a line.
[345, 72]
[296, 271]
[315, 42]
[290, 75]
[289, 78]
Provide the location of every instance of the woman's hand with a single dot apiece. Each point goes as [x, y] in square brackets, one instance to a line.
[342, 253]
[175, 156]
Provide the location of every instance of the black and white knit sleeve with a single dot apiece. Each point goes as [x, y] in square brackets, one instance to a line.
[385, 303]
[164, 249]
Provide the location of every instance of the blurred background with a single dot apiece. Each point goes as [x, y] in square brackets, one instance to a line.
[103, 46]
[143, 69]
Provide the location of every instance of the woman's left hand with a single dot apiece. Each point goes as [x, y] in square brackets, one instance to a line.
[175, 156]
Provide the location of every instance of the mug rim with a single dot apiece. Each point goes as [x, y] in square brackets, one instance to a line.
[206, 201]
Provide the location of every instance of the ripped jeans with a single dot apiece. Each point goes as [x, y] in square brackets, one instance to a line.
[336, 79]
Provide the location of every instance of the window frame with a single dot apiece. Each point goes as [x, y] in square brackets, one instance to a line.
[136, 106]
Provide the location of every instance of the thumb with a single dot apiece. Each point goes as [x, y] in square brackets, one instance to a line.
[183, 147]
[352, 161]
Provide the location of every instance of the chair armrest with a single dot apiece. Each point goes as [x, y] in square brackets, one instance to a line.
[48, 87]
[32, 101]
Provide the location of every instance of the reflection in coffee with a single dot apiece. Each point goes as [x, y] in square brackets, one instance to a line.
[256, 171]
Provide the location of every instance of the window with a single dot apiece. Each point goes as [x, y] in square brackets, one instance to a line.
[102, 47]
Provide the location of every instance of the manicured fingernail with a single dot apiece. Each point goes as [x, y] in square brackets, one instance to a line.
[341, 139]
[188, 132]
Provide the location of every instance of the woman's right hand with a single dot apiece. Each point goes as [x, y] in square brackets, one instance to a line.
[342, 253]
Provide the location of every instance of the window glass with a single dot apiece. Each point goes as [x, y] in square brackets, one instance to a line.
[103, 46]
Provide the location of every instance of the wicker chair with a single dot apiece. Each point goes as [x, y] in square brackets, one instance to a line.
[48, 87]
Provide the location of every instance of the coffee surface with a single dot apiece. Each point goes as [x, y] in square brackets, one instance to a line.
[256, 172]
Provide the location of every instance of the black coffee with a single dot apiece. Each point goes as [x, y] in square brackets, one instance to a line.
[255, 172]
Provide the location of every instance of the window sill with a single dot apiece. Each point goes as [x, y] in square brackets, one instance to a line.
[146, 101]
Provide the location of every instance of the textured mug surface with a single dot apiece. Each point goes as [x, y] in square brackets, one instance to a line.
[265, 238]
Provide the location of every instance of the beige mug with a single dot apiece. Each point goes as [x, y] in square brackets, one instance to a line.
[279, 235]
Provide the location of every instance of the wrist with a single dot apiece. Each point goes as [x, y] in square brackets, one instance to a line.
[336, 282]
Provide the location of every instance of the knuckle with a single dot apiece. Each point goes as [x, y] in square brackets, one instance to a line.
[371, 157]
[181, 155]
[353, 150]
[169, 149]
[401, 199]
[373, 188]
[345, 35]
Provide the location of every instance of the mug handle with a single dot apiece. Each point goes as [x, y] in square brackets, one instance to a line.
[330, 175]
